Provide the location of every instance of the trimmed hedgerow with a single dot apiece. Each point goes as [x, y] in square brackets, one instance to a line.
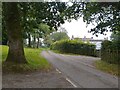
[75, 47]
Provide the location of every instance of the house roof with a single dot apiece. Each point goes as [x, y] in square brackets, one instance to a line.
[91, 39]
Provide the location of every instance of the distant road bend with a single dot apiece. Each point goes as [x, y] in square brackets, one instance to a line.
[80, 71]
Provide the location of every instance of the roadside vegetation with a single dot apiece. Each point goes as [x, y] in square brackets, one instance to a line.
[110, 55]
[36, 21]
[74, 47]
[33, 57]
[110, 52]
[107, 67]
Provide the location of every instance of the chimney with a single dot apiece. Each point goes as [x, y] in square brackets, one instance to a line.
[91, 38]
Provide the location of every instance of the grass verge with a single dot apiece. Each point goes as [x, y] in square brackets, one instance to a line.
[34, 59]
[106, 67]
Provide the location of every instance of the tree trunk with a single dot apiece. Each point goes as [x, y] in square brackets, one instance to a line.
[38, 42]
[29, 40]
[14, 32]
[34, 41]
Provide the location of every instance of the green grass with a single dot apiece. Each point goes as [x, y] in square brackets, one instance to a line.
[109, 68]
[34, 59]
[4, 52]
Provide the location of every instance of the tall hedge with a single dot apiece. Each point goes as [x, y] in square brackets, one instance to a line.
[110, 52]
[75, 47]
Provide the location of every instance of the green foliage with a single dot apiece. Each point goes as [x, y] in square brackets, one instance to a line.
[104, 14]
[27, 17]
[4, 38]
[35, 16]
[106, 45]
[107, 67]
[47, 41]
[50, 13]
[116, 39]
[44, 28]
[55, 36]
[35, 61]
[115, 36]
[75, 47]
[110, 52]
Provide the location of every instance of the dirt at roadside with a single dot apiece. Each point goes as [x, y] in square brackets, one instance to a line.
[51, 79]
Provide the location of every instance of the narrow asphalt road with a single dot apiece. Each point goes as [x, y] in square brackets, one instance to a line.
[80, 71]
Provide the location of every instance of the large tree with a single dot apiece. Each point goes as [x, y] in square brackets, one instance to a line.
[55, 36]
[106, 15]
[52, 14]
[12, 18]
[60, 35]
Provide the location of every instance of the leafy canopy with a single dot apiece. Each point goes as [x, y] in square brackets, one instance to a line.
[105, 14]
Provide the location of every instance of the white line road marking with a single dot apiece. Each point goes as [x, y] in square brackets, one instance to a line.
[71, 82]
[58, 70]
[67, 79]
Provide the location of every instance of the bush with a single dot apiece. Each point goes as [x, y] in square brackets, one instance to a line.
[74, 46]
[110, 52]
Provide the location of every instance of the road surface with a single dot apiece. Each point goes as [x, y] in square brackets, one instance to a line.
[35, 79]
[80, 72]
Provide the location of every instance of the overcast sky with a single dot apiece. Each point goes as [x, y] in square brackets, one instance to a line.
[78, 29]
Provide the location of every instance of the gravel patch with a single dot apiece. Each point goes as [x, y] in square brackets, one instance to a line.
[51, 79]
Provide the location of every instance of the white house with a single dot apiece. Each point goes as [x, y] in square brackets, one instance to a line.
[97, 42]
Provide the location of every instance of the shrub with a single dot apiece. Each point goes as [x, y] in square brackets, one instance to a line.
[110, 52]
[74, 46]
